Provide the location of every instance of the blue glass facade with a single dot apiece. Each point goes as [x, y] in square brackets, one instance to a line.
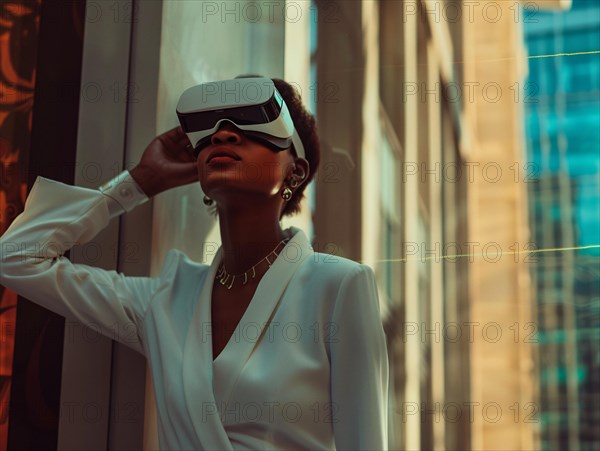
[563, 135]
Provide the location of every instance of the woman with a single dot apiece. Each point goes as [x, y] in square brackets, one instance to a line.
[288, 354]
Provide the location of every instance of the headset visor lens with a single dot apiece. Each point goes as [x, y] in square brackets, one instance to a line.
[245, 115]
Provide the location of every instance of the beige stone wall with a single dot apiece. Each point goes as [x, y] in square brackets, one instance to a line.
[501, 357]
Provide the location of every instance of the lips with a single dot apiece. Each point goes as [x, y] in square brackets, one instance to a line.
[223, 155]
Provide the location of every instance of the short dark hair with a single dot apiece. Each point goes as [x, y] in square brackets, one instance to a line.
[306, 126]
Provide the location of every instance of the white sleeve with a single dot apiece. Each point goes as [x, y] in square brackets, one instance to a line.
[122, 194]
[56, 217]
[359, 365]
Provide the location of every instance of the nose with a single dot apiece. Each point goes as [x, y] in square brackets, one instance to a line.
[226, 133]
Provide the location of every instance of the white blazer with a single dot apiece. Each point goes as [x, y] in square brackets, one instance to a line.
[306, 368]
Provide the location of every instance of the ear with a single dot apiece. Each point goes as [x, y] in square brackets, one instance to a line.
[302, 169]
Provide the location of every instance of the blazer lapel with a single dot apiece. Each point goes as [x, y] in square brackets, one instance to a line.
[248, 333]
[197, 371]
[207, 384]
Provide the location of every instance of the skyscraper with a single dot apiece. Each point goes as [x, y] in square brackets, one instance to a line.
[563, 133]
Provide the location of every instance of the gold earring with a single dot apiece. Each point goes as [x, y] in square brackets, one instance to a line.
[286, 194]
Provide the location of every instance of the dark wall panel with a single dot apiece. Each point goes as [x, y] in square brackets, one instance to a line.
[35, 393]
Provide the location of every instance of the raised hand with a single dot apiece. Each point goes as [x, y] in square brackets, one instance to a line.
[166, 163]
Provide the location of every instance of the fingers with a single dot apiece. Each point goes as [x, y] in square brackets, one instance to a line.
[184, 140]
[176, 135]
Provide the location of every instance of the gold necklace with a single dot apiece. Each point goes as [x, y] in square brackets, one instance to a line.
[224, 277]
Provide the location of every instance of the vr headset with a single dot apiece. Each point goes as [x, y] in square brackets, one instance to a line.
[253, 105]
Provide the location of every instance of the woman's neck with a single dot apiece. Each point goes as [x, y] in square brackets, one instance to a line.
[249, 238]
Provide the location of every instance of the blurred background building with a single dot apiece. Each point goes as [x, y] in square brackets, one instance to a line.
[562, 147]
[461, 156]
